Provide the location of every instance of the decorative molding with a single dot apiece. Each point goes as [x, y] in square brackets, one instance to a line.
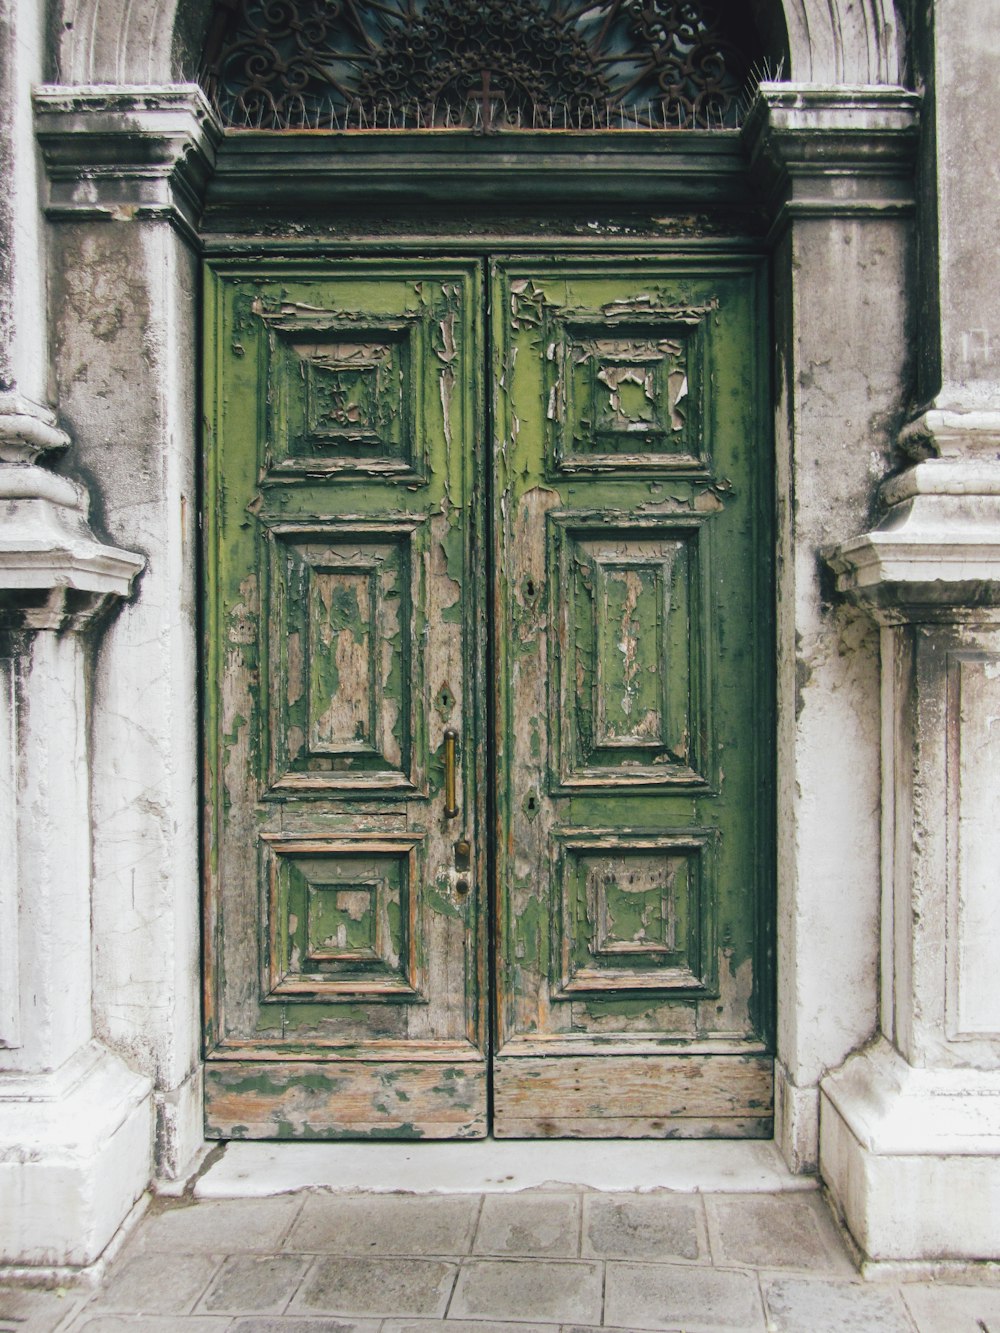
[819, 152]
[27, 430]
[936, 553]
[54, 573]
[257, 172]
[126, 153]
[953, 431]
[849, 41]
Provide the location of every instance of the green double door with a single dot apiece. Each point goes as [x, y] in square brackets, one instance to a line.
[488, 680]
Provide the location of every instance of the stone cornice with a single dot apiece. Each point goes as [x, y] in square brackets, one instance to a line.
[257, 172]
[124, 153]
[27, 429]
[956, 430]
[54, 573]
[936, 553]
[829, 151]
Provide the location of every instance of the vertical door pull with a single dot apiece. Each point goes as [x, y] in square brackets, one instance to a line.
[450, 778]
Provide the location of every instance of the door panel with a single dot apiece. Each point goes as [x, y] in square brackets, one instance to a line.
[345, 992]
[632, 715]
[626, 649]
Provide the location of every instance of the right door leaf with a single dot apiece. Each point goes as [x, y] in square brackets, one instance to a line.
[634, 727]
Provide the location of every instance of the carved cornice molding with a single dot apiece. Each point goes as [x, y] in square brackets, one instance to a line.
[126, 153]
[328, 173]
[54, 573]
[819, 152]
[936, 553]
[27, 430]
[963, 428]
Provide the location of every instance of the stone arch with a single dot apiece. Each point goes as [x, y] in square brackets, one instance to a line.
[158, 41]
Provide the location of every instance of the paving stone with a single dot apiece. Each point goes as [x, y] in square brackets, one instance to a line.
[944, 1308]
[263, 1283]
[224, 1226]
[688, 1296]
[124, 1323]
[528, 1289]
[536, 1224]
[804, 1305]
[377, 1286]
[638, 1226]
[386, 1224]
[156, 1283]
[776, 1231]
[32, 1310]
[591, 1328]
[303, 1326]
[463, 1326]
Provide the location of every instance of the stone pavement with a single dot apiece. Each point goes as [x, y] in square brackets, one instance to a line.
[536, 1261]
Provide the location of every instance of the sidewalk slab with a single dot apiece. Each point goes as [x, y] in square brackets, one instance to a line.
[371, 1224]
[795, 1304]
[536, 1289]
[542, 1225]
[688, 1297]
[385, 1287]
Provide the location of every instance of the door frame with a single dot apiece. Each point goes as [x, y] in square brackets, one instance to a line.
[830, 164]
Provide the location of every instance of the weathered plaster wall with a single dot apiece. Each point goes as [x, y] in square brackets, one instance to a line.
[125, 347]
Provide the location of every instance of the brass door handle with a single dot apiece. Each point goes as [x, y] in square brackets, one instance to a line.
[450, 774]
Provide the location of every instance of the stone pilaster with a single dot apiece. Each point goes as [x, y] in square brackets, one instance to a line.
[126, 168]
[834, 166]
[75, 1122]
[910, 1126]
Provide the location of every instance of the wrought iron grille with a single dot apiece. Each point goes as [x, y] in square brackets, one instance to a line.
[486, 65]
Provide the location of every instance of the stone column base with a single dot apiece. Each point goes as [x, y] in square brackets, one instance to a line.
[75, 1155]
[912, 1157]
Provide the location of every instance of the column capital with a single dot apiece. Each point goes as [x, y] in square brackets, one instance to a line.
[935, 555]
[824, 151]
[54, 573]
[122, 153]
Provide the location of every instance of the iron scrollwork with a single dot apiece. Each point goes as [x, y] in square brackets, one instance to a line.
[487, 65]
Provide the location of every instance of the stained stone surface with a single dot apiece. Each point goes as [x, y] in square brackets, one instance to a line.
[795, 1304]
[633, 1226]
[541, 1224]
[385, 1224]
[531, 1261]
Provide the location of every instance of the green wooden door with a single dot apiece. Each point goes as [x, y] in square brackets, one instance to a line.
[578, 614]
[632, 528]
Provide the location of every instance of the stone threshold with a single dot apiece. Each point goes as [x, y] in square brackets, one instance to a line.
[490, 1166]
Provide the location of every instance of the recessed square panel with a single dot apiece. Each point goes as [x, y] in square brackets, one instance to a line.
[344, 684]
[348, 921]
[344, 397]
[628, 681]
[342, 916]
[632, 913]
[354, 394]
[626, 396]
